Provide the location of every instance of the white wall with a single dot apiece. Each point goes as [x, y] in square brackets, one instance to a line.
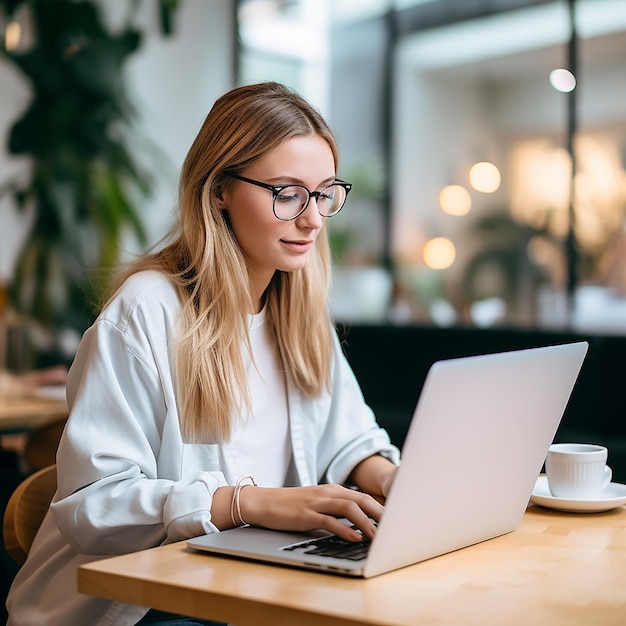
[173, 81]
[14, 97]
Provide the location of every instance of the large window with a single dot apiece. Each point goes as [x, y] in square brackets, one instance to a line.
[485, 192]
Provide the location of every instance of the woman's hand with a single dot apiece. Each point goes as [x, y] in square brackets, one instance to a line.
[310, 508]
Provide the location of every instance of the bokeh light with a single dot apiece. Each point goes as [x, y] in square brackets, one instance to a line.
[439, 253]
[485, 177]
[455, 200]
[12, 36]
[562, 80]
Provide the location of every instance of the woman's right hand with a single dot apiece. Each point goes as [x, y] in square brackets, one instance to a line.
[311, 508]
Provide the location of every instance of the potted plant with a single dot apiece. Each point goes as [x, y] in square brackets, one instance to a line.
[84, 186]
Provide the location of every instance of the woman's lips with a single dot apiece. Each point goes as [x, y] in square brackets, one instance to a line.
[301, 245]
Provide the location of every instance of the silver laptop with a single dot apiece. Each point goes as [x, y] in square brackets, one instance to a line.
[474, 449]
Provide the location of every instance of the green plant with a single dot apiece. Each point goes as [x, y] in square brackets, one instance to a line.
[346, 231]
[84, 184]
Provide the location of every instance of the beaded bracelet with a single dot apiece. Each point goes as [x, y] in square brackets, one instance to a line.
[235, 507]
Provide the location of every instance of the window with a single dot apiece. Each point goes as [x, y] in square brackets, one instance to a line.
[420, 92]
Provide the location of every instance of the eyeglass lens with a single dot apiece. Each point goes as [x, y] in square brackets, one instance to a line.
[292, 200]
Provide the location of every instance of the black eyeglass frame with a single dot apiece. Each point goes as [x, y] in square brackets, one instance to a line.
[276, 189]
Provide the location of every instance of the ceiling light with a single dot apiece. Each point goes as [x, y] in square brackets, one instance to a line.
[562, 80]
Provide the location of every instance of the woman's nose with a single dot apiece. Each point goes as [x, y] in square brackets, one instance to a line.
[311, 217]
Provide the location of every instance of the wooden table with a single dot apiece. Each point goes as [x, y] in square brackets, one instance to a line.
[556, 569]
[26, 412]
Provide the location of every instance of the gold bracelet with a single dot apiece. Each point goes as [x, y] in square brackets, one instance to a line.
[235, 507]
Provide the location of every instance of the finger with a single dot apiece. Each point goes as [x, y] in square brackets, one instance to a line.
[351, 511]
[339, 528]
[361, 519]
[357, 506]
[372, 507]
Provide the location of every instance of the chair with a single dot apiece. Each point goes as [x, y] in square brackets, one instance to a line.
[42, 443]
[25, 511]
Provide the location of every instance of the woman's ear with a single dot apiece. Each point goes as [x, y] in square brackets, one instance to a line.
[220, 198]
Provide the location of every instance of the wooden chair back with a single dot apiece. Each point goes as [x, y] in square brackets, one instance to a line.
[42, 443]
[25, 511]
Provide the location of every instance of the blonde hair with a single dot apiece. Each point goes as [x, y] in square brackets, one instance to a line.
[204, 262]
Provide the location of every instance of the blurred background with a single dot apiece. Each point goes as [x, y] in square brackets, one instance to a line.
[486, 141]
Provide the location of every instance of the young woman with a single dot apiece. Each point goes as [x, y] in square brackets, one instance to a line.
[215, 359]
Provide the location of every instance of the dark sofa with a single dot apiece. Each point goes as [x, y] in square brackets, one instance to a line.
[391, 363]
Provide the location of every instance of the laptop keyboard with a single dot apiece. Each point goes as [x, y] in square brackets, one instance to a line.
[333, 546]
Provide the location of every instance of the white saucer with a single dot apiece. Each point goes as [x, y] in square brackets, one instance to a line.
[612, 496]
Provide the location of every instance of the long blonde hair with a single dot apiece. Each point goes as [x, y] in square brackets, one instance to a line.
[204, 262]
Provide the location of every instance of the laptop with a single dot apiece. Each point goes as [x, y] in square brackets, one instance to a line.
[474, 449]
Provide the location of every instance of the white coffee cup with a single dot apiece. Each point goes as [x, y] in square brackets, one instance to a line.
[577, 470]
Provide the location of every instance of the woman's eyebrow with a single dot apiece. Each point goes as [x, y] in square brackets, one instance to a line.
[297, 181]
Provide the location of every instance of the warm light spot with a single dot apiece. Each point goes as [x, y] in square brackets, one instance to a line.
[455, 200]
[540, 185]
[12, 36]
[562, 80]
[439, 253]
[485, 177]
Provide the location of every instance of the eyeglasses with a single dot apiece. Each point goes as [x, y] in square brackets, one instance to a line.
[291, 201]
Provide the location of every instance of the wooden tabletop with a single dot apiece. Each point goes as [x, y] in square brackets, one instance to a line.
[24, 412]
[557, 568]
